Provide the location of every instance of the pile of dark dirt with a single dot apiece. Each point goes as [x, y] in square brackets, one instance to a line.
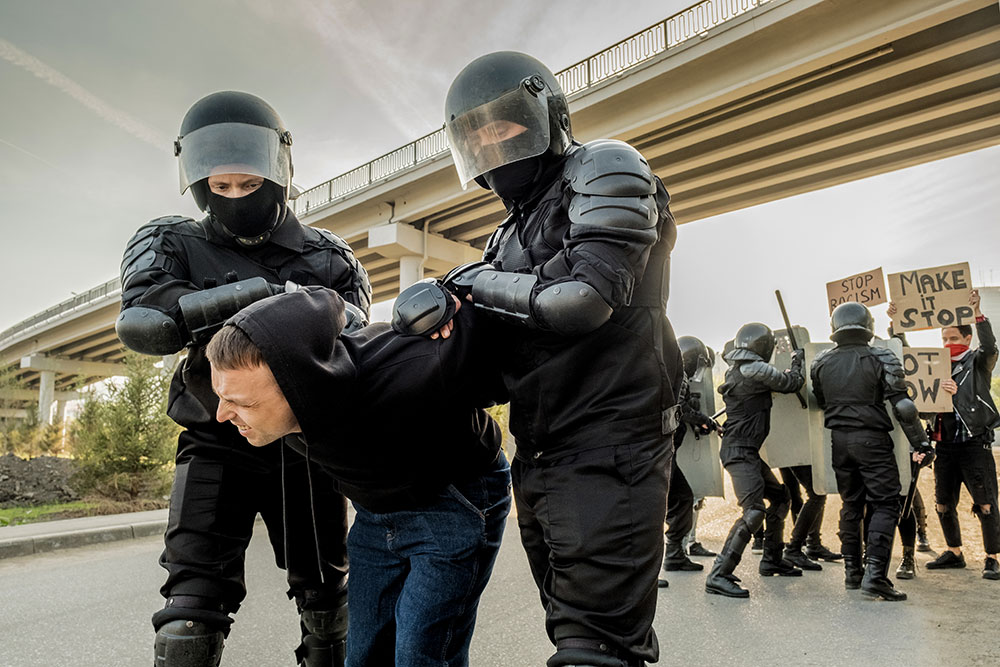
[39, 481]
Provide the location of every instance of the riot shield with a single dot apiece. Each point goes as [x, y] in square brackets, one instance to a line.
[824, 479]
[699, 458]
[789, 442]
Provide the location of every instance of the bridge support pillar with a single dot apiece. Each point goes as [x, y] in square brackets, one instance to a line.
[46, 396]
[410, 270]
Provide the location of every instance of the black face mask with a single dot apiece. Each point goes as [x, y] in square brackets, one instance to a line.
[516, 180]
[251, 218]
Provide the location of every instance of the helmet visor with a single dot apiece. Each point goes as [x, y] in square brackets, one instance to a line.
[234, 148]
[513, 127]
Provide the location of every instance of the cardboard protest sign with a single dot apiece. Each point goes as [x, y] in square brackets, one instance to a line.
[931, 298]
[867, 288]
[926, 369]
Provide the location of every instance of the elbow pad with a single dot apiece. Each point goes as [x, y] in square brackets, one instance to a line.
[148, 331]
[422, 308]
[356, 318]
[206, 311]
[572, 308]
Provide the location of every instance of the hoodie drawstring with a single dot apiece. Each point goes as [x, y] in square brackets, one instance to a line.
[312, 511]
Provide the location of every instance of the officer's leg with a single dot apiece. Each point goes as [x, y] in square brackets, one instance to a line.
[791, 482]
[208, 529]
[773, 561]
[881, 478]
[300, 505]
[680, 517]
[907, 538]
[814, 507]
[852, 494]
[743, 466]
[529, 492]
[606, 540]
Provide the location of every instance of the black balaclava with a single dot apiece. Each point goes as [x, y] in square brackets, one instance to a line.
[517, 180]
[252, 218]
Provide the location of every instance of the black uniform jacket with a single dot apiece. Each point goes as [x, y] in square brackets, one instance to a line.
[393, 418]
[614, 385]
[174, 256]
[747, 393]
[852, 382]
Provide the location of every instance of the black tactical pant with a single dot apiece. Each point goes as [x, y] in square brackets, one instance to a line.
[971, 464]
[220, 486]
[809, 514]
[865, 465]
[591, 523]
[680, 506]
[753, 483]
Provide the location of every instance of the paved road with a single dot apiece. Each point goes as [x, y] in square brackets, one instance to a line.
[90, 607]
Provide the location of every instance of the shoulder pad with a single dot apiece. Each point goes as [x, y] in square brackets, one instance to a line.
[332, 238]
[143, 237]
[757, 370]
[609, 168]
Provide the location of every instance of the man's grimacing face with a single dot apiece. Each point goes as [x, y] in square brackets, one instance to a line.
[251, 399]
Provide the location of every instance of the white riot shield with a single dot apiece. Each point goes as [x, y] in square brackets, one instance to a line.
[824, 479]
[789, 442]
[699, 459]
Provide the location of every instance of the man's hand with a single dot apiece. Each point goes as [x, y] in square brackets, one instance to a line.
[974, 302]
[950, 386]
[445, 331]
[891, 309]
[923, 454]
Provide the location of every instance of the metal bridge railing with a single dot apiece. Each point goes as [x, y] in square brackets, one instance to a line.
[101, 292]
[610, 62]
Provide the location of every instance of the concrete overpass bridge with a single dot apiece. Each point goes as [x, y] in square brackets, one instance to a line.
[733, 102]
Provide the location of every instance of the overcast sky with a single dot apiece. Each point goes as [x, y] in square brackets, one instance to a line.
[93, 94]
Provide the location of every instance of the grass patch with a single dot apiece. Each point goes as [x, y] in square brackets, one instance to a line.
[93, 506]
[13, 516]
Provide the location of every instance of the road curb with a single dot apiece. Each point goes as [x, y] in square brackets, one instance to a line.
[36, 544]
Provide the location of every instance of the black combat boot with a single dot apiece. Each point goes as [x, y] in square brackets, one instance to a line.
[819, 552]
[852, 566]
[674, 559]
[907, 567]
[922, 544]
[721, 580]
[774, 564]
[876, 585]
[697, 549]
[795, 556]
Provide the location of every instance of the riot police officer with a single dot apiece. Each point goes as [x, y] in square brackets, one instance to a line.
[181, 279]
[577, 276]
[851, 382]
[747, 393]
[680, 499]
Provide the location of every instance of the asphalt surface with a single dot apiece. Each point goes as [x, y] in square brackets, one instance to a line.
[91, 606]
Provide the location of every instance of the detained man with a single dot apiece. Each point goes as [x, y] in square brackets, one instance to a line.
[398, 422]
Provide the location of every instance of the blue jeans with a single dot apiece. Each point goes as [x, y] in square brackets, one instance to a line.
[417, 575]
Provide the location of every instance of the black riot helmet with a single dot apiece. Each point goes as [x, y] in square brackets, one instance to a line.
[755, 338]
[502, 108]
[693, 353]
[852, 321]
[231, 132]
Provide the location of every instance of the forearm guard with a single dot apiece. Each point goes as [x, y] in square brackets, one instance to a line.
[570, 309]
[909, 420]
[207, 310]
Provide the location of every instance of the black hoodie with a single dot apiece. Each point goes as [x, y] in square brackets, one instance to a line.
[393, 418]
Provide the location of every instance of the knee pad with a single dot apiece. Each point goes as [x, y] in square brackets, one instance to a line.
[753, 519]
[181, 643]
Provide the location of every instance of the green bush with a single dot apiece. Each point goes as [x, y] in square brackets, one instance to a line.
[123, 441]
